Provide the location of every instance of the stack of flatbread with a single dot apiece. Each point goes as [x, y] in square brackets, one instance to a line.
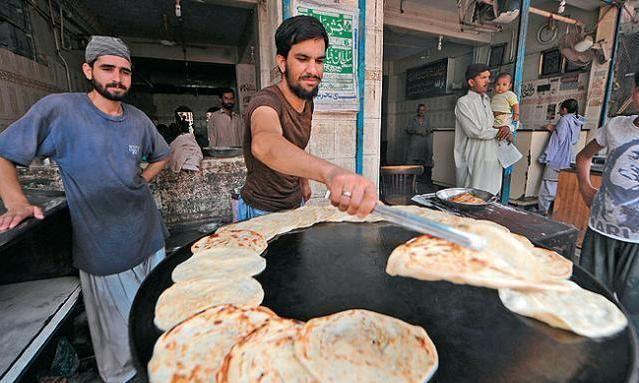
[252, 344]
[532, 281]
[220, 272]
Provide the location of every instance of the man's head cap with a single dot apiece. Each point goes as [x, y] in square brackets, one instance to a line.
[106, 45]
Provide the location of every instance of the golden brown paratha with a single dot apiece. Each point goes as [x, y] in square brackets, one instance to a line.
[433, 259]
[230, 238]
[364, 346]
[267, 356]
[194, 350]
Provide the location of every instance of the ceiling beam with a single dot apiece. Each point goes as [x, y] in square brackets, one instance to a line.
[435, 23]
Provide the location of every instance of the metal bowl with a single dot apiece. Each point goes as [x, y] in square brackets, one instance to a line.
[446, 194]
[222, 151]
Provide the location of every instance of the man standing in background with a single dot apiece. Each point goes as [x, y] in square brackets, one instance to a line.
[420, 144]
[225, 126]
[476, 140]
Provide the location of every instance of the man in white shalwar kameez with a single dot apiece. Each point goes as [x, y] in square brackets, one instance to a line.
[475, 138]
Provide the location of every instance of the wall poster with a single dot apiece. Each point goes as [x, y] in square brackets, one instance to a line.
[338, 89]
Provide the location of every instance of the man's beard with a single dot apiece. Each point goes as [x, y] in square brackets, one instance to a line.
[103, 90]
[228, 106]
[298, 90]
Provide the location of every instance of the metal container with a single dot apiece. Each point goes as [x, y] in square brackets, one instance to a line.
[446, 194]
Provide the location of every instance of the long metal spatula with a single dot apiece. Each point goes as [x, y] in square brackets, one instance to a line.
[427, 226]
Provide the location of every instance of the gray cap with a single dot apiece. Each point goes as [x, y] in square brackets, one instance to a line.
[105, 45]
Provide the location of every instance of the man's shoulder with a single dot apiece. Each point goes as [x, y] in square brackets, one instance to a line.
[137, 114]
[58, 100]
[269, 97]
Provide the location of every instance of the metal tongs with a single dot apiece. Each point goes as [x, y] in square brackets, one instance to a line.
[427, 226]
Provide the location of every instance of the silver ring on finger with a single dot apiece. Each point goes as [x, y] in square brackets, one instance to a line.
[347, 194]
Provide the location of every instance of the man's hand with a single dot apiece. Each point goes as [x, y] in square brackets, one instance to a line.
[588, 193]
[550, 127]
[503, 133]
[351, 193]
[17, 214]
[306, 189]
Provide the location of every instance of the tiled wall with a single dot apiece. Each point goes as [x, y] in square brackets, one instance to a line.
[333, 136]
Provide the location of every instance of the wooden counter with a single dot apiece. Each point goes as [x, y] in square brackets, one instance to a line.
[569, 206]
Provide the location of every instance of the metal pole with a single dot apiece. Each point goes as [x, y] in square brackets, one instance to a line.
[361, 79]
[287, 9]
[611, 73]
[519, 78]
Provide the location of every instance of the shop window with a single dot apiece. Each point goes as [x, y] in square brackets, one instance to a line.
[626, 65]
[496, 55]
[15, 28]
[551, 63]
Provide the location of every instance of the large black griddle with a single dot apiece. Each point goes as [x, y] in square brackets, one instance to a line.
[332, 267]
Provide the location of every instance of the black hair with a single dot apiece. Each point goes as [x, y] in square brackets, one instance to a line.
[420, 105]
[226, 90]
[183, 109]
[474, 70]
[571, 105]
[296, 30]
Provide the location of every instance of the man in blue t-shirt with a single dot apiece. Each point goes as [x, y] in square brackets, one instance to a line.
[98, 143]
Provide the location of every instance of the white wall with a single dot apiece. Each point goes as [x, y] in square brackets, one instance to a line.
[440, 109]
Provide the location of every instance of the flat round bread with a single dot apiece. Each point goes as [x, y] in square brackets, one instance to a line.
[433, 259]
[578, 310]
[184, 299]
[243, 239]
[267, 356]
[556, 265]
[363, 346]
[194, 350]
[236, 264]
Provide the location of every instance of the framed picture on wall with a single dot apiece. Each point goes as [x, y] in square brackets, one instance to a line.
[496, 55]
[550, 63]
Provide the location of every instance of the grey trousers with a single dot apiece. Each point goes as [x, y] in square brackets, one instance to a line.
[614, 263]
[548, 189]
[108, 300]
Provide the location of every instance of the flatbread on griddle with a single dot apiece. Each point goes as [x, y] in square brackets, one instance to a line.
[194, 350]
[235, 263]
[364, 346]
[266, 356]
[433, 259]
[184, 299]
[578, 310]
[243, 239]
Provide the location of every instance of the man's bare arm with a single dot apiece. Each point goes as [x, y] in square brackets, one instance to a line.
[271, 148]
[18, 207]
[153, 169]
[584, 162]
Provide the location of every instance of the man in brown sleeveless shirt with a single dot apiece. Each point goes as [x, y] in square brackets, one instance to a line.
[278, 127]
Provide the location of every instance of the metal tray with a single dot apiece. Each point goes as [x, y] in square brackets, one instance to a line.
[222, 151]
[446, 194]
[337, 266]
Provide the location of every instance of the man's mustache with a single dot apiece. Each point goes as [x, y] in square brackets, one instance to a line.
[116, 85]
[309, 77]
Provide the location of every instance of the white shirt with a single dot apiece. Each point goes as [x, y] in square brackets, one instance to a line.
[615, 209]
[476, 144]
